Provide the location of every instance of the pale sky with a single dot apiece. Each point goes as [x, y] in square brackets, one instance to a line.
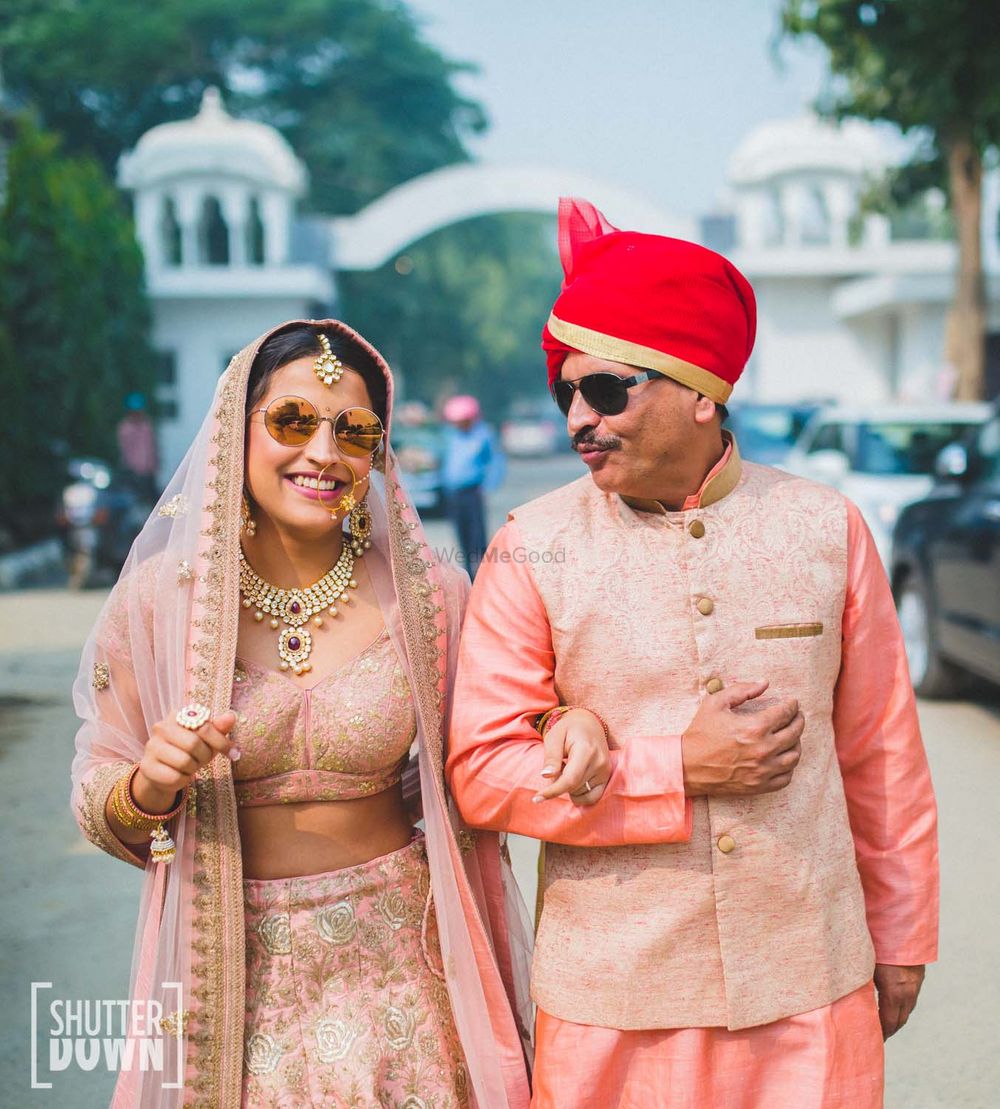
[652, 95]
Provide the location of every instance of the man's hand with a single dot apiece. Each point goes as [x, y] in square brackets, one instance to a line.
[898, 989]
[576, 739]
[733, 748]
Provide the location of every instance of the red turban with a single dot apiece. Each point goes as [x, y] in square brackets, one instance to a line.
[649, 301]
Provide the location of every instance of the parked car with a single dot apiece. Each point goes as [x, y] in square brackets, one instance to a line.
[419, 450]
[946, 569]
[766, 433]
[533, 428]
[881, 456]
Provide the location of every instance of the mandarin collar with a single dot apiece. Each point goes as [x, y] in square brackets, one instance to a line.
[720, 481]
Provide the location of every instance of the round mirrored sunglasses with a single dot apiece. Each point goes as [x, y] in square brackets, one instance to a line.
[292, 421]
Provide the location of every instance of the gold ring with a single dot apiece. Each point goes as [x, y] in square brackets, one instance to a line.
[192, 716]
[587, 788]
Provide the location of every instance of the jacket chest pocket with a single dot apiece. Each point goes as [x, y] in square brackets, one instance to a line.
[794, 652]
[805, 630]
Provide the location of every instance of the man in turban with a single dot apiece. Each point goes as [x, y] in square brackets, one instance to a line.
[684, 674]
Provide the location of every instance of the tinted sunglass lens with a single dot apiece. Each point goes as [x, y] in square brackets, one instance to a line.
[563, 393]
[358, 432]
[291, 421]
[604, 393]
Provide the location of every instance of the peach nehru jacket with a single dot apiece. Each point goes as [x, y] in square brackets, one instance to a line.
[662, 911]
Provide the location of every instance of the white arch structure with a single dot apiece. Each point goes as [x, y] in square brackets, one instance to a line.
[434, 200]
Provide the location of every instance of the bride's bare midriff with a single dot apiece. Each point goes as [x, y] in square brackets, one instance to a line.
[312, 837]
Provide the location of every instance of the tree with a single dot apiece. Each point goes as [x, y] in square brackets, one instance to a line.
[362, 98]
[73, 319]
[927, 67]
[351, 84]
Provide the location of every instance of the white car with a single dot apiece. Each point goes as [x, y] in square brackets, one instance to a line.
[881, 456]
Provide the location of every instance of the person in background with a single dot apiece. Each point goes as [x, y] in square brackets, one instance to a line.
[473, 464]
[137, 446]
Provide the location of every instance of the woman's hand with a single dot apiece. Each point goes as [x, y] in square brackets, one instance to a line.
[577, 740]
[172, 757]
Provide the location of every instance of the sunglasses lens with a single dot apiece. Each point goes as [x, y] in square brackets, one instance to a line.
[358, 432]
[562, 392]
[291, 421]
[604, 393]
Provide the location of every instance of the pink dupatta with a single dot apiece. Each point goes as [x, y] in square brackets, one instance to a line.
[166, 636]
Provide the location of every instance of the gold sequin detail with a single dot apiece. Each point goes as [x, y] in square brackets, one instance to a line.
[173, 1023]
[466, 841]
[184, 572]
[176, 506]
[102, 676]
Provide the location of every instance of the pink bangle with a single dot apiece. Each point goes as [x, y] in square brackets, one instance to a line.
[549, 718]
[604, 724]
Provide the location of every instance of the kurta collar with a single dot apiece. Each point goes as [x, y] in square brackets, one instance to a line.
[720, 481]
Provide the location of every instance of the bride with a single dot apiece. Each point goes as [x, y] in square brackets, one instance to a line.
[250, 696]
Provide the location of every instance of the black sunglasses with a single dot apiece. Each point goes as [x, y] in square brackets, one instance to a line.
[606, 393]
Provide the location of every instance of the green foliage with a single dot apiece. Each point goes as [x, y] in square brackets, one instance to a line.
[912, 196]
[484, 341]
[74, 321]
[352, 85]
[366, 103]
[916, 63]
[928, 67]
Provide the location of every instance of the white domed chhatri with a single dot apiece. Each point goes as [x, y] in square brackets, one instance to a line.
[215, 206]
[797, 182]
[808, 144]
[213, 142]
[213, 191]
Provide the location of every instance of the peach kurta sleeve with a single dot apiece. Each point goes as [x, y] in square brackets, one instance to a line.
[890, 800]
[505, 679]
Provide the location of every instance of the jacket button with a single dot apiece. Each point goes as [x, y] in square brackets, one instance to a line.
[713, 685]
[706, 606]
[726, 844]
[696, 528]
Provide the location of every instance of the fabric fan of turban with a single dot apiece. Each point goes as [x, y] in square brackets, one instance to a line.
[649, 301]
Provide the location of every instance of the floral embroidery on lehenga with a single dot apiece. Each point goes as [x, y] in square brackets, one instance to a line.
[341, 1005]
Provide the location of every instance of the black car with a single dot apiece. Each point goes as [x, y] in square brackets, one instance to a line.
[946, 569]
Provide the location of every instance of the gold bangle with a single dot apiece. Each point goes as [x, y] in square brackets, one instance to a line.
[127, 812]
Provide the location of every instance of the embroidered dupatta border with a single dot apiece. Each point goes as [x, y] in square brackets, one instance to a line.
[214, 1062]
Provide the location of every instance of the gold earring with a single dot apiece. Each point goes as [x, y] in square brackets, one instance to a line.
[248, 523]
[360, 521]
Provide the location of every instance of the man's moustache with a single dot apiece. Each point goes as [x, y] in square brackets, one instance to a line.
[591, 442]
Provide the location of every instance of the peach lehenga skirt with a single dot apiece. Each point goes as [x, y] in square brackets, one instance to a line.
[346, 1003]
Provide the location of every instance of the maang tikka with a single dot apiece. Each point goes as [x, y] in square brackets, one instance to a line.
[328, 367]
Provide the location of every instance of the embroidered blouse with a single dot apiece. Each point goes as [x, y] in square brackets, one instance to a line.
[347, 736]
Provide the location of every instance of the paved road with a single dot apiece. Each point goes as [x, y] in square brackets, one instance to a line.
[67, 911]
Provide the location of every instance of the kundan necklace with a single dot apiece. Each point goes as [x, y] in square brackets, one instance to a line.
[295, 607]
